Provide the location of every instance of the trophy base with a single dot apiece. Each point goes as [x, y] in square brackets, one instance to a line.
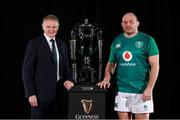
[86, 81]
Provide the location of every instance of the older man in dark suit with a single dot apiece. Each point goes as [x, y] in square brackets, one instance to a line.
[45, 67]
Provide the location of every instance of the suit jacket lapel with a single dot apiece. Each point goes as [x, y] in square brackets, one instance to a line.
[47, 48]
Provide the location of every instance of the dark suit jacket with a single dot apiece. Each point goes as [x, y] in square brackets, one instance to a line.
[39, 70]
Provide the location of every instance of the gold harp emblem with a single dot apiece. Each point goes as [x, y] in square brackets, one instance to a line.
[87, 105]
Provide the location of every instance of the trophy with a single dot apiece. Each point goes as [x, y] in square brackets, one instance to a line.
[86, 53]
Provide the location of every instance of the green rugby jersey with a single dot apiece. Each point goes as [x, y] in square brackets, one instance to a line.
[131, 56]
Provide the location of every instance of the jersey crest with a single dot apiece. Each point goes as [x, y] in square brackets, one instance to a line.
[139, 44]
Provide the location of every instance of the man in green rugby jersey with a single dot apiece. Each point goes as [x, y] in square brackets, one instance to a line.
[135, 56]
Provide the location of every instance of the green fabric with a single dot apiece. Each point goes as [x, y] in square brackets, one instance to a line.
[131, 56]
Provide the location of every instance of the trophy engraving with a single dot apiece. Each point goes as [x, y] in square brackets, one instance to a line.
[86, 53]
[87, 105]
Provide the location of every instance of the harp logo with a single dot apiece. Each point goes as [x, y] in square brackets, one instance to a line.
[87, 105]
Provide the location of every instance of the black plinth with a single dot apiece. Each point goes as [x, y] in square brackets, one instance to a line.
[86, 102]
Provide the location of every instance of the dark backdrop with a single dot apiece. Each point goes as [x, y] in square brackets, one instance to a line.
[22, 22]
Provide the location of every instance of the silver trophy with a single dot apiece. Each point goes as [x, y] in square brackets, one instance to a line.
[86, 52]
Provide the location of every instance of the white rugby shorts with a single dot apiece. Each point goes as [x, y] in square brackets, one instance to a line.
[131, 102]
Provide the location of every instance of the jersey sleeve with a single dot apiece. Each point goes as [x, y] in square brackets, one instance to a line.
[112, 54]
[152, 48]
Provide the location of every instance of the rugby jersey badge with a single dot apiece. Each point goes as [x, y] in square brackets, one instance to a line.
[118, 45]
[139, 44]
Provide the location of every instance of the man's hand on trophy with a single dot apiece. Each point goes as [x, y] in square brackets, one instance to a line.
[68, 84]
[104, 84]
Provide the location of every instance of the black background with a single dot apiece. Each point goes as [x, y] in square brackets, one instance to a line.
[21, 21]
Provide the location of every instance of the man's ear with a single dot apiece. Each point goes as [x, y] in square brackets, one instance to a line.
[138, 23]
[42, 26]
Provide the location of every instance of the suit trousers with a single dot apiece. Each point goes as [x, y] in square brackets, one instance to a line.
[62, 101]
[44, 110]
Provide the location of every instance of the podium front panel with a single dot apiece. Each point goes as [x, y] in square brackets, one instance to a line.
[86, 103]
